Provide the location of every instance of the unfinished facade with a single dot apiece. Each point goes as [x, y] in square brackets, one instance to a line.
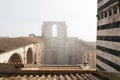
[60, 49]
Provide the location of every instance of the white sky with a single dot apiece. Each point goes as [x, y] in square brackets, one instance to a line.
[22, 17]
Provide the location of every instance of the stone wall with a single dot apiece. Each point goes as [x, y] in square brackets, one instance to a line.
[108, 36]
[10, 68]
[26, 53]
[62, 50]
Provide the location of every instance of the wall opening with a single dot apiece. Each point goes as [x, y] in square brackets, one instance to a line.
[115, 10]
[54, 30]
[15, 58]
[29, 56]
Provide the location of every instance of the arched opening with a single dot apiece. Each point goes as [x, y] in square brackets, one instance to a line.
[105, 14]
[110, 12]
[29, 56]
[54, 30]
[102, 15]
[115, 10]
[15, 58]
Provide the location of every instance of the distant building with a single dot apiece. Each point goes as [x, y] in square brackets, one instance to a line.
[108, 35]
[49, 49]
[25, 50]
[62, 50]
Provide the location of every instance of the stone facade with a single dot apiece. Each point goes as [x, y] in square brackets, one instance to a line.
[62, 50]
[108, 35]
[47, 49]
[25, 50]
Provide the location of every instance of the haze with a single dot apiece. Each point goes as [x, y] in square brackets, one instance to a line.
[22, 17]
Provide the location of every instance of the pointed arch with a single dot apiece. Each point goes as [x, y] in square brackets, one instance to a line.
[29, 56]
[54, 30]
[15, 58]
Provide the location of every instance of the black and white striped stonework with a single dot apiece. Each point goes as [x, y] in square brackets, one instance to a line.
[108, 36]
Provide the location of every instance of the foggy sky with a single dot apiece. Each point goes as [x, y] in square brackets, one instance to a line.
[22, 17]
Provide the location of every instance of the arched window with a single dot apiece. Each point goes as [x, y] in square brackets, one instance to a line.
[29, 56]
[110, 12]
[105, 14]
[98, 17]
[115, 10]
[15, 58]
[102, 15]
[54, 30]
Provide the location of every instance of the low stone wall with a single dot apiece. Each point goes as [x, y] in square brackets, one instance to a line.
[10, 68]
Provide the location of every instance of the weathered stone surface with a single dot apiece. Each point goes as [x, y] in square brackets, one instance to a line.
[63, 50]
[108, 36]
